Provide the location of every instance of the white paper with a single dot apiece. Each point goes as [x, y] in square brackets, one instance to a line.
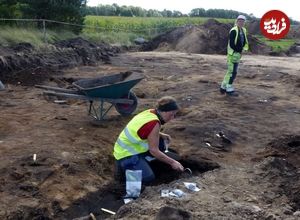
[164, 193]
[176, 193]
[191, 186]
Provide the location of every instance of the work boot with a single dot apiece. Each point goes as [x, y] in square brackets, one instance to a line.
[233, 93]
[222, 91]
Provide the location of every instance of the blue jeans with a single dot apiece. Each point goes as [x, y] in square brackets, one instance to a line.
[138, 162]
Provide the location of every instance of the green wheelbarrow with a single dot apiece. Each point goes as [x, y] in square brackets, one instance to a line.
[114, 89]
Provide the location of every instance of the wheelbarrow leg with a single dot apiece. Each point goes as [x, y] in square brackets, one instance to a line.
[98, 112]
[102, 110]
[90, 107]
[93, 111]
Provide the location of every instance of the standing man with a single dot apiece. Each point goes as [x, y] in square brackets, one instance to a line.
[142, 136]
[237, 43]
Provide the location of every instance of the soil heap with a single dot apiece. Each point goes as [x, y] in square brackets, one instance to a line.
[209, 38]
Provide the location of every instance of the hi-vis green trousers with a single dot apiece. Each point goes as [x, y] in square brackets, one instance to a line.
[232, 62]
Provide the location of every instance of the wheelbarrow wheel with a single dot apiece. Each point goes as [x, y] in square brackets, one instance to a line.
[127, 109]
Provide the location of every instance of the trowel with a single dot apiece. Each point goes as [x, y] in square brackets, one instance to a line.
[171, 153]
[225, 139]
[187, 172]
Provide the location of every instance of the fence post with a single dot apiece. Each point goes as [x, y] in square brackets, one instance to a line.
[44, 31]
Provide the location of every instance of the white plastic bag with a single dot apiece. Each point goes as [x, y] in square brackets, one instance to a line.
[133, 183]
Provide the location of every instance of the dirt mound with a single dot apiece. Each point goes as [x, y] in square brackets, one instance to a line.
[281, 165]
[295, 49]
[209, 38]
[257, 47]
[287, 147]
[23, 47]
[25, 65]
[253, 27]
[171, 213]
[76, 43]
[294, 32]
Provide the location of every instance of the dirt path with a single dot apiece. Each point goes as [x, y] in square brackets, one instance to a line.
[259, 174]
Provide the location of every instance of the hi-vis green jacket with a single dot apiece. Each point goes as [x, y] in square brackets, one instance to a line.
[237, 44]
[129, 143]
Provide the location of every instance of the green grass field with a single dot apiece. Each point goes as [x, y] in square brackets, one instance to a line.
[12, 35]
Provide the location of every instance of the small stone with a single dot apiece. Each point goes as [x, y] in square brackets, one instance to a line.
[226, 199]
[271, 217]
[287, 211]
[256, 208]
[297, 213]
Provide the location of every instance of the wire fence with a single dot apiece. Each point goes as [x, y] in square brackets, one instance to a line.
[45, 25]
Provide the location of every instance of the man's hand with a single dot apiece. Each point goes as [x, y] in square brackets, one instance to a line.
[177, 166]
[166, 137]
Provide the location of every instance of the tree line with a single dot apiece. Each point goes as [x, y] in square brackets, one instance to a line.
[74, 11]
[59, 10]
[133, 11]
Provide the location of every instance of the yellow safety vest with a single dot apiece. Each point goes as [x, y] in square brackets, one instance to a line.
[246, 47]
[129, 143]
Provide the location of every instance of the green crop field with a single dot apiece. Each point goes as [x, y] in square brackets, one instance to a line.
[140, 25]
[123, 30]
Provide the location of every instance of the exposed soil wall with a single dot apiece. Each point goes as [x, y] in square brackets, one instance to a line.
[23, 64]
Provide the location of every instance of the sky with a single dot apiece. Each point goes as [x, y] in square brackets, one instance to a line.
[257, 7]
